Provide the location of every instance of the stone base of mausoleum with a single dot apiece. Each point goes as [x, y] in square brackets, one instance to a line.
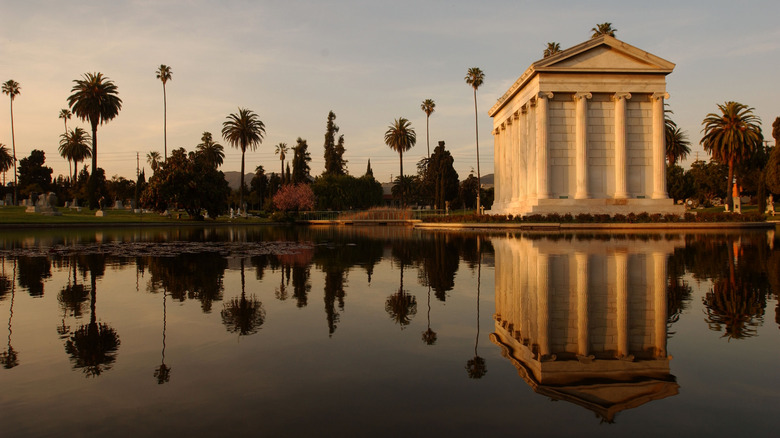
[589, 206]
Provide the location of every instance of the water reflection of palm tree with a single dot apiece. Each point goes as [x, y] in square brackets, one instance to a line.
[736, 304]
[163, 372]
[10, 357]
[429, 336]
[241, 315]
[93, 346]
[401, 306]
[476, 367]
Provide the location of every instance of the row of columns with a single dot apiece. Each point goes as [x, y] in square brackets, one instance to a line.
[524, 300]
[514, 161]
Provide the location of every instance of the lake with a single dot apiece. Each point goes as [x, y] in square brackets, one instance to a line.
[388, 331]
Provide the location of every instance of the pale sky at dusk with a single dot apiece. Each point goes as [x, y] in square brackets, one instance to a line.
[370, 62]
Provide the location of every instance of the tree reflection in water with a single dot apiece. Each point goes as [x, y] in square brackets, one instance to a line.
[401, 306]
[243, 315]
[476, 366]
[9, 358]
[163, 372]
[740, 267]
[429, 336]
[32, 272]
[194, 276]
[93, 347]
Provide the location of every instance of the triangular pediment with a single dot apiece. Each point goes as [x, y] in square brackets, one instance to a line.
[604, 54]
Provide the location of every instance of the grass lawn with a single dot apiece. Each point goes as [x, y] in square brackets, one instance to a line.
[17, 216]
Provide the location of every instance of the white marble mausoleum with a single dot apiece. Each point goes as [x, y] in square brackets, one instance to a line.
[582, 131]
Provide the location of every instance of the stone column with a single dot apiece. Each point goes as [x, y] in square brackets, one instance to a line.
[580, 144]
[621, 186]
[518, 178]
[659, 146]
[582, 305]
[542, 191]
[621, 290]
[659, 303]
[511, 159]
[530, 150]
[498, 172]
[543, 299]
[506, 190]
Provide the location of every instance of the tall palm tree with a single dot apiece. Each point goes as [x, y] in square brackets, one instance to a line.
[243, 130]
[475, 77]
[153, 158]
[281, 150]
[12, 89]
[428, 106]
[164, 74]
[400, 137]
[95, 99]
[211, 150]
[74, 146]
[552, 49]
[731, 136]
[603, 29]
[6, 160]
[65, 115]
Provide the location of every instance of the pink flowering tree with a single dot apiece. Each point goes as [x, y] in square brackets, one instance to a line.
[294, 197]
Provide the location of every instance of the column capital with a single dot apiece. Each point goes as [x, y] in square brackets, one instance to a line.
[656, 96]
[496, 131]
[516, 114]
[621, 95]
[544, 95]
[582, 95]
[509, 119]
[503, 126]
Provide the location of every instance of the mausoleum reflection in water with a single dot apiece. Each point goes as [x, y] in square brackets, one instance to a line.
[586, 322]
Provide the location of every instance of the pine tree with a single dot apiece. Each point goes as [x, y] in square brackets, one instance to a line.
[300, 165]
[334, 153]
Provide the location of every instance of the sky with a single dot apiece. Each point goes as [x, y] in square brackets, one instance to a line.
[370, 62]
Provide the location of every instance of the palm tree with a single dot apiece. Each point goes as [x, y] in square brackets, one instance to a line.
[6, 160]
[95, 99]
[677, 145]
[475, 77]
[164, 74]
[12, 89]
[281, 150]
[552, 49]
[603, 29]
[428, 106]
[400, 136]
[212, 151]
[731, 136]
[153, 158]
[65, 115]
[74, 146]
[243, 130]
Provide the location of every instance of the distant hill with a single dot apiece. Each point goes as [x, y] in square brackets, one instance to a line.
[234, 179]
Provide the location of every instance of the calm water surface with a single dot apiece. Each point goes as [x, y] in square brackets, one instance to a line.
[387, 332]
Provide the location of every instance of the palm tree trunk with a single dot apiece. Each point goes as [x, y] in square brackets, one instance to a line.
[13, 146]
[165, 125]
[479, 177]
[75, 175]
[94, 147]
[281, 175]
[241, 187]
[730, 189]
[428, 135]
[403, 204]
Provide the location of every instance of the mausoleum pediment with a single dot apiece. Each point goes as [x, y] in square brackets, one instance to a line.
[604, 54]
